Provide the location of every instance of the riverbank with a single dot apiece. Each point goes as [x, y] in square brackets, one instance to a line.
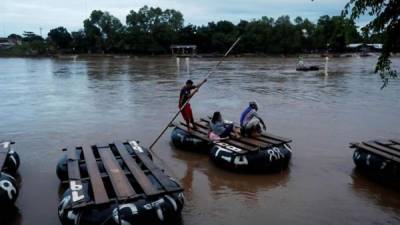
[206, 55]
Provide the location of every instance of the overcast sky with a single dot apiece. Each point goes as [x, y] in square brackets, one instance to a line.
[17, 16]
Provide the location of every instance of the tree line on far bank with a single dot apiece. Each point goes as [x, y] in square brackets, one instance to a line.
[152, 31]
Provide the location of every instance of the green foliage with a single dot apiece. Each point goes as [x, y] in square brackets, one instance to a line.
[29, 36]
[385, 25]
[152, 30]
[79, 41]
[60, 38]
[14, 36]
[33, 44]
[337, 31]
[103, 32]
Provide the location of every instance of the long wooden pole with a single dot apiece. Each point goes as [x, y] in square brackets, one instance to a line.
[204, 80]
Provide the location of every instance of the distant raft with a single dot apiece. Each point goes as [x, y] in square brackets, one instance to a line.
[9, 163]
[126, 189]
[378, 157]
[262, 154]
[307, 68]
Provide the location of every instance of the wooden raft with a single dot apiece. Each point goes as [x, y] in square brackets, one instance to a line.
[118, 183]
[242, 144]
[389, 149]
[5, 147]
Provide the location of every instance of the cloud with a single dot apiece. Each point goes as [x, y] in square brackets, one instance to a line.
[22, 15]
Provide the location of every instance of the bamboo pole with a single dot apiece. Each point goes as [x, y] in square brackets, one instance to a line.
[204, 80]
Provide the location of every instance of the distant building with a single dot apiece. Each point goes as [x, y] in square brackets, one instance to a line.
[362, 47]
[16, 39]
[6, 43]
[183, 50]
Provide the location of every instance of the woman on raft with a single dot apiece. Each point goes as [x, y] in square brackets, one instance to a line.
[220, 129]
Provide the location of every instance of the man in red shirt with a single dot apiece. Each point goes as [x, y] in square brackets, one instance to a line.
[187, 92]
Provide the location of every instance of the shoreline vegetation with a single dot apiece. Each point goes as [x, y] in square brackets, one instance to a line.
[151, 31]
[211, 55]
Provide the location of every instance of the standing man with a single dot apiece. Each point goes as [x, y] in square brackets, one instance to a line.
[250, 122]
[187, 93]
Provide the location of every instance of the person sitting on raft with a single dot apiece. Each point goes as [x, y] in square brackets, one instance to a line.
[220, 129]
[187, 92]
[250, 122]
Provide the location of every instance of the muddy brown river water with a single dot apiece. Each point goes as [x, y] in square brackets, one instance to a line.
[47, 104]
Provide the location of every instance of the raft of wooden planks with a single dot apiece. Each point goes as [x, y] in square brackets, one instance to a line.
[245, 144]
[389, 149]
[137, 177]
[5, 148]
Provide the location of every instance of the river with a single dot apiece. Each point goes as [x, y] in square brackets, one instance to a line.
[47, 104]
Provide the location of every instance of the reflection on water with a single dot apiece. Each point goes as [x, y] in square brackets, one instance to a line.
[231, 182]
[47, 104]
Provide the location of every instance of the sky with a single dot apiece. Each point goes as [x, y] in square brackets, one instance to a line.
[38, 16]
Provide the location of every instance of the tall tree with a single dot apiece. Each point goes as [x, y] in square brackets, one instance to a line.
[104, 31]
[160, 28]
[79, 41]
[60, 37]
[386, 21]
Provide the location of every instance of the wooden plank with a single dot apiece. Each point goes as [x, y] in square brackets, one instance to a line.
[278, 138]
[382, 148]
[247, 147]
[268, 135]
[193, 132]
[204, 132]
[229, 141]
[245, 140]
[72, 153]
[261, 138]
[105, 175]
[163, 179]
[269, 140]
[389, 144]
[119, 181]
[99, 191]
[73, 164]
[383, 142]
[373, 150]
[396, 147]
[396, 141]
[136, 171]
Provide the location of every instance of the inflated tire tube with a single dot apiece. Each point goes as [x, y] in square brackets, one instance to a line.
[12, 162]
[183, 140]
[8, 190]
[375, 164]
[62, 169]
[160, 210]
[266, 160]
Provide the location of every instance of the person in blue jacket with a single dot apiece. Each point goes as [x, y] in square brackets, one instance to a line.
[250, 123]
